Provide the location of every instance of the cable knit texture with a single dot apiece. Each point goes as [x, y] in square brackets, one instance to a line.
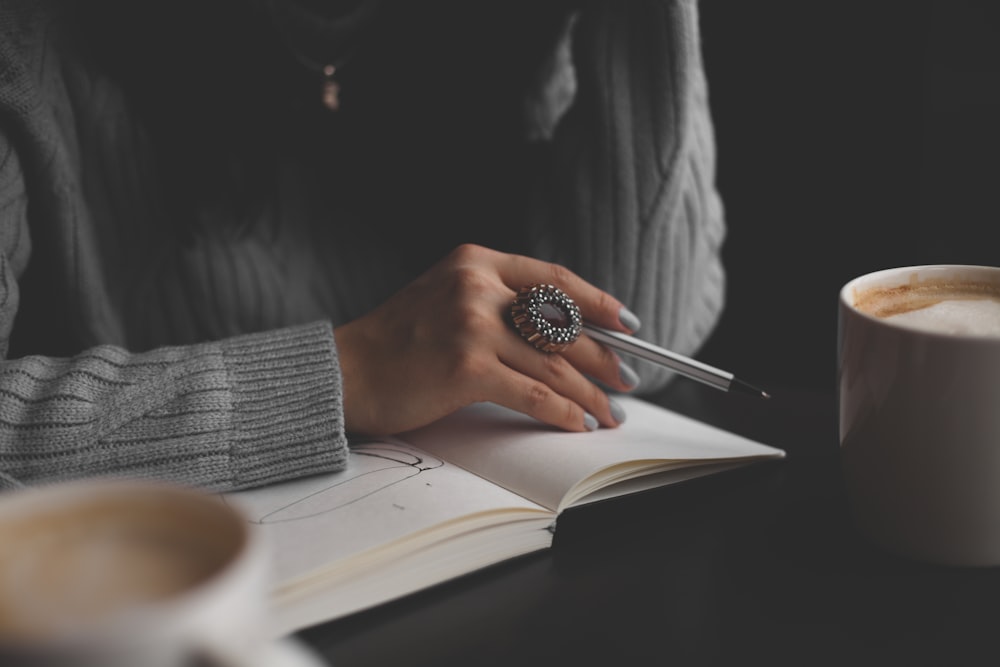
[193, 342]
[637, 163]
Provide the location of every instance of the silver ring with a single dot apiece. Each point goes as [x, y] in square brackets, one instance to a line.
[546, 317]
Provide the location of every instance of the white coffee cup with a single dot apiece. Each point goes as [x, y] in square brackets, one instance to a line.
[920, 415]
[128, 573]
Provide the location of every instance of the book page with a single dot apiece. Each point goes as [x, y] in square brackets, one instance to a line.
[392, 503]
[556, 468]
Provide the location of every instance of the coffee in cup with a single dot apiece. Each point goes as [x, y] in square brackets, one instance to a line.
[127, 573]
[945, 305]
[919, 390]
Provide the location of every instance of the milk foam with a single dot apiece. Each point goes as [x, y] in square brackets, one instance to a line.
[973, 317]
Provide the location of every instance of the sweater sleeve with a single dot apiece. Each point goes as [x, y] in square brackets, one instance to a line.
[631, 203]
[235, 413]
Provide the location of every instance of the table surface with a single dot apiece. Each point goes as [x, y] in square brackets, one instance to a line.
[759, 565]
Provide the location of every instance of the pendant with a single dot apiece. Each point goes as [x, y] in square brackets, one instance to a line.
[330, 93]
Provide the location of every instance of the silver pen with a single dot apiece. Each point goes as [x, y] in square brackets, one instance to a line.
[691, 368]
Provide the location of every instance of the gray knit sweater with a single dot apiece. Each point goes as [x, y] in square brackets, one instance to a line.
[206, 357]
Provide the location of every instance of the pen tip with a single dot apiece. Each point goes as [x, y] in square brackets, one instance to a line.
[749, 389]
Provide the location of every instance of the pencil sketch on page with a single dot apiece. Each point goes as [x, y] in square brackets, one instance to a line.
[372, 467]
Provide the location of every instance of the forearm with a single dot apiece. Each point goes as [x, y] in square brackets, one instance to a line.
[633, 206]
[232, 414]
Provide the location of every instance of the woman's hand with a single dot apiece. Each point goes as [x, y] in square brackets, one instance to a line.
[444, 342]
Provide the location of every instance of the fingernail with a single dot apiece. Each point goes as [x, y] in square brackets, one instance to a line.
[590, 421]
[628, 319]
[617, 411]
[628, 376]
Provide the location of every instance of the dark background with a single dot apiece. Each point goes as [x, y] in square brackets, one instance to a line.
[852, 136]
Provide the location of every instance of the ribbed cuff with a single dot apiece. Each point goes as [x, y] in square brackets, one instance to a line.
[288, 404]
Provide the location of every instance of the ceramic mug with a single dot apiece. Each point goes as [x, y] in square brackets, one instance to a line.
[919, 410]
[126, 573]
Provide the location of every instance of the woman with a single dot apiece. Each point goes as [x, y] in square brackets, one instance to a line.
[231, 235]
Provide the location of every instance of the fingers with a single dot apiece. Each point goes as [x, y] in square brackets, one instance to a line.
[559, 376]
[537, 399]
[601, 363]
[598, 307]
[567, 372]
[515, 271]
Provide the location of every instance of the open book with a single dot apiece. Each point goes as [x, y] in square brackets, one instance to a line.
[478, 487]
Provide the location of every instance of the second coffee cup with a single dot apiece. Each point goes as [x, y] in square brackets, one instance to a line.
[919, 405]
[120, 574]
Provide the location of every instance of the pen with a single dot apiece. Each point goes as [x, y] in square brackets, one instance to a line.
[685, 366]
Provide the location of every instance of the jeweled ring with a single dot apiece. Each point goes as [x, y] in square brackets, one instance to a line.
[546, 317]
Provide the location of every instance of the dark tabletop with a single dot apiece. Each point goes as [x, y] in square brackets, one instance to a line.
[755, 566]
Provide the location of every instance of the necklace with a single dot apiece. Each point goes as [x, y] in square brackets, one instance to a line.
[330, 88]
[322, 44]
